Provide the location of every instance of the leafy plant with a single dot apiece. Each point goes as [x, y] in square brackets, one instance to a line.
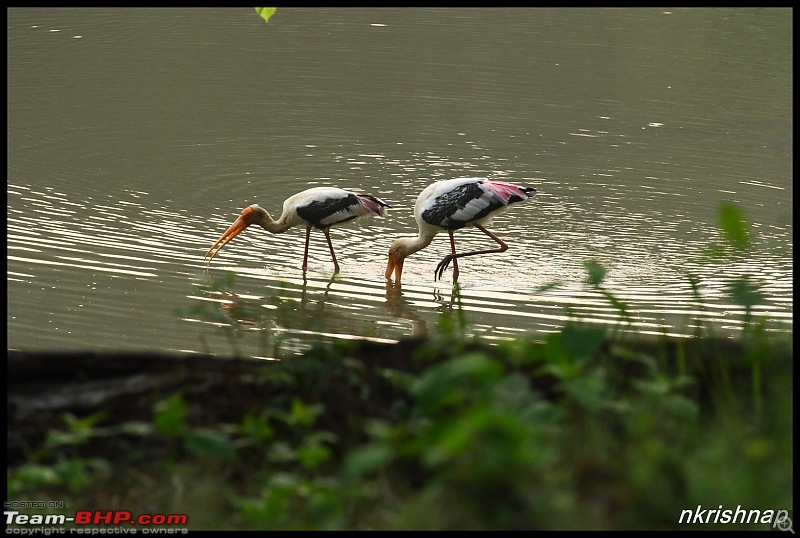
[265, 12]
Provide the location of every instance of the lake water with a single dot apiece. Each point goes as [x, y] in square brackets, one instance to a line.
[136, 136]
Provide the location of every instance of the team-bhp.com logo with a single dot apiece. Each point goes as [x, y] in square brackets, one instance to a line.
[150, 522]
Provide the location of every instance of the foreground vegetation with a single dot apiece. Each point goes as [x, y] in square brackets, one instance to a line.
[589, 430]
[580, 432]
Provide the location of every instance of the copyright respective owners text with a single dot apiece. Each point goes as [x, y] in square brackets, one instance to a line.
[57, 517]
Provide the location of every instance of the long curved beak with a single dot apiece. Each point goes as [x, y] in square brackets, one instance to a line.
[236, 228]
[395, 266]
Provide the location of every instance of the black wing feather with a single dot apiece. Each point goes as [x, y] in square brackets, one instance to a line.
[445, 206]
[318, 210]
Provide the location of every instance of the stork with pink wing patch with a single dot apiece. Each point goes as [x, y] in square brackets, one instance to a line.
[451, 205]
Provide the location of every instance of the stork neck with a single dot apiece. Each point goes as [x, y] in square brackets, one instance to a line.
[275, 227]
[414, 244]
[264, 219]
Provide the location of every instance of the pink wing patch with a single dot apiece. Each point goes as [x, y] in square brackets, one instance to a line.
[372, 204]
[505, 191]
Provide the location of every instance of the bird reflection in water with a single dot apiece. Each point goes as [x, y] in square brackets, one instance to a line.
[398, 306]
[295, 314]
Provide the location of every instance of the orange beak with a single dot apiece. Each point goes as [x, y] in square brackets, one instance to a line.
[395, 266]
[236, 228]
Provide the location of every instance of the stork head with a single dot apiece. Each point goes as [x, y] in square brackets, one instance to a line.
[398, 252]
[248, 216]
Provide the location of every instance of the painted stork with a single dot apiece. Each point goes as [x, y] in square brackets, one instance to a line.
[451, 205]
[318, 207]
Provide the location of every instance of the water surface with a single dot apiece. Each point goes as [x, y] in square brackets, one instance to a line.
[136, 136]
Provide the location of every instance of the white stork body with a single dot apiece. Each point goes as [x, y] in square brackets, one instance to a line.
[318, 207]
[450, 205]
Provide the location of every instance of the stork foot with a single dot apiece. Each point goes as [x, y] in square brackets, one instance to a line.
[437, 274]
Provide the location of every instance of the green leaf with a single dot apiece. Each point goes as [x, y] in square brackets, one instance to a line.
[58, 438]
[304, 415]
[447, 384]
[619, 305]
[136, 428]
[265, 12]
[85, 424]
[583, 343]
[313, 454]
[33, 476]
[257, 428]
[596, 272]
[170, 416]
[745, 293]
[733, 225]
[205, 442]
[547, 287]
[367, 459]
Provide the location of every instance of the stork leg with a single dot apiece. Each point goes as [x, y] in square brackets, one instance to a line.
[305, 256]
[453, 250]
[327, 233]
[452, 257]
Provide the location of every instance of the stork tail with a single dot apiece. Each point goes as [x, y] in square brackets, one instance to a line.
[372, 204]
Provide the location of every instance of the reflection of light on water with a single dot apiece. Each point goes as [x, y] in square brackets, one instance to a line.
[88, 266]
[346, 307]
[132, 240]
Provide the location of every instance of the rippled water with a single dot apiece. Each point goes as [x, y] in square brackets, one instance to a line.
[122, 174]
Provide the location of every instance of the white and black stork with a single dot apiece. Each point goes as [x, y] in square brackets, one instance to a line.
[450, 205]
[318, 207]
